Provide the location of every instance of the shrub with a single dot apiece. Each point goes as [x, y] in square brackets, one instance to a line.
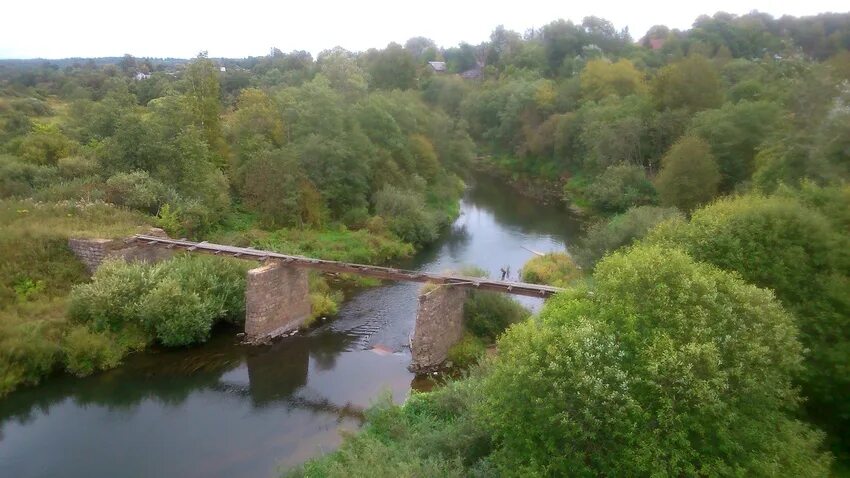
[179, 317]
[406, 215]
[618, 188]
[29, 349]
[667, 366]
[781, 244]
[689, 176]
[467, 352]
[77, 167]
[487, 314]
[176, 301]
[556, 269]
[19, 178]
[87, 352]
[621, 230]
[137, 190]
[112, 299]
[322, 305]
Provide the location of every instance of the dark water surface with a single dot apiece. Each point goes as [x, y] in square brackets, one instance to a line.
[225, 410]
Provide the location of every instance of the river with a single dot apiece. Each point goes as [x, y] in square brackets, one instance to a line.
[226, 410]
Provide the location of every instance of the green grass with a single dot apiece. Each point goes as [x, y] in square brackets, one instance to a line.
[341, 244]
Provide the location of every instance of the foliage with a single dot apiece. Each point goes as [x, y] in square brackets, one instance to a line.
[137, 190]
[406, 215]
[692, 84]
[177, 301]
[555, 268]
[734, 132]
[30, 335]
[341, 244]
[689, 175]
[467, 352]
[661, 343]
[601, 78]
[20, 178]
[621, 230]
[779, 243]
[87, 352]
[487, 314]
[617, 189]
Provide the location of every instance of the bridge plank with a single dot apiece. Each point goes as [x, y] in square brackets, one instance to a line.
[378, 272]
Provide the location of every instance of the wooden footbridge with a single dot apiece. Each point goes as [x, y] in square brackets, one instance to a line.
[277, 295]
[377, 272]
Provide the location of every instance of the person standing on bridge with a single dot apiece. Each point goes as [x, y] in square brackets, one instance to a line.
[503, 272]
[508, 272]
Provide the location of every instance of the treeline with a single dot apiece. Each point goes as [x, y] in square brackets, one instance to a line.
[680, 118]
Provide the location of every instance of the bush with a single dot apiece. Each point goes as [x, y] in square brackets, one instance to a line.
[406, 215]
[87, 352]
[178, 317]
[621, 230]
[781, 244]
[667, 366]
[177, 301]
[113, 297]
[77, 167]
[487, 314]
[29, 348]
[433, 434]
[19, 178]
[137, 190]
[618, 188]
[556, 269]
[467, 352]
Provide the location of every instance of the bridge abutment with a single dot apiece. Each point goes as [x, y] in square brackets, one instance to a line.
[439, 325]
[92, 252]
[277, 300]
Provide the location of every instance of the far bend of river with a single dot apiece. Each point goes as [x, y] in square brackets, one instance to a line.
[226, 410]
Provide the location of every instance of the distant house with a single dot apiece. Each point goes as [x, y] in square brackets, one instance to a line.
[656, 43]
[141, 76]
[223, 69]
[438, 66]
[474, 73]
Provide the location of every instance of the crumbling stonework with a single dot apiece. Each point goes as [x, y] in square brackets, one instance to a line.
[439, 325]
[92, 252]
[277, 300]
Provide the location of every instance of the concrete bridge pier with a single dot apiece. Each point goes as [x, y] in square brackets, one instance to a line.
[277, 301]
[439, 325]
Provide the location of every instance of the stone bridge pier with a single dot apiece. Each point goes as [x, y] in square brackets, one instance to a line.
[277, 301]
[439, 325]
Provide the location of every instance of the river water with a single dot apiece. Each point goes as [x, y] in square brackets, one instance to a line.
[226, 410]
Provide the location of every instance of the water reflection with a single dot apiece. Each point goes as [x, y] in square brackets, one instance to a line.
[228, 410]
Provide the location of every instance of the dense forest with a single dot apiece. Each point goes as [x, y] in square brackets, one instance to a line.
[705, 329]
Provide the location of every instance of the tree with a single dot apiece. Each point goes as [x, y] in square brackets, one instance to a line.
[734, 132]
[619, 231]
[340, 67]
[692, 83]
[272, 188]
[689, 175]
[779, 243]
[665, 367]
[620, 187]
[392, 68]
[203, 101]
[601, 78]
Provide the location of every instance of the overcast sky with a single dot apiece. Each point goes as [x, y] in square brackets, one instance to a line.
[240, 28]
